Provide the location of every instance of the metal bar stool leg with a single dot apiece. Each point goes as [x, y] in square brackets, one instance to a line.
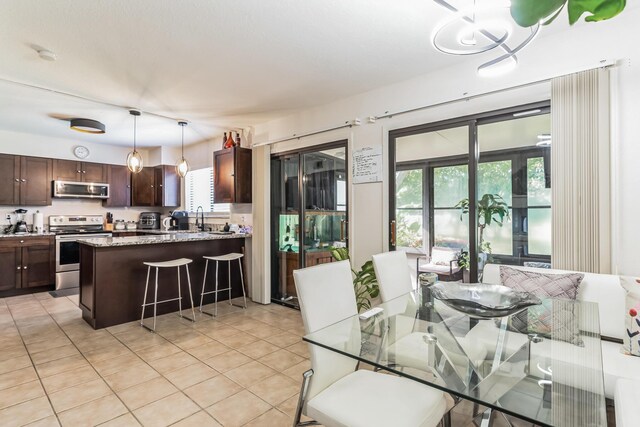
[193, 311]
[144, 300]
[215, 311]
[179, 294]
[204, 280]
[155, 302]
[229, 271]
[242, 282]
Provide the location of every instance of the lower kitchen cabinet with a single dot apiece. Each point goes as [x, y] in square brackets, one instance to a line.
[26, 262]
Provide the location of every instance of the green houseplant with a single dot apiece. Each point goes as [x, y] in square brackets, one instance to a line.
[529, 12]
[491, 208]
[365, 283]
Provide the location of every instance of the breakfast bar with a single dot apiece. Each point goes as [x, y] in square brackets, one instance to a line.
[112, 273]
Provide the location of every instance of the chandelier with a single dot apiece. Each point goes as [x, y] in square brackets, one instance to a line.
[483, 26]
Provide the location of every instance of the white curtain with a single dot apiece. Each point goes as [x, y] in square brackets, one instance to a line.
[580, 172]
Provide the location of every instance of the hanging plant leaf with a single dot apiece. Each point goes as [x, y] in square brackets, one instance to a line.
[600, 9]
[529, 12]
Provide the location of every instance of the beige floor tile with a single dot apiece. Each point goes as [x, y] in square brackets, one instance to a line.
[283, 340]
[144, 393]
[190, 375]
[275, 389]
[141, 339]
[126, 420]
[61, 365]
[173, 362]
[238, 340]
[250, 373]
[110, 366]
[20, 393]
[300, 348]
[238, 409]
[17, 377]
[166, 411]
[217, 330]
[258, 349]
[54, 354]
[130, 376]
[295, 372]
[69, 379]
[265, 331]
[14, 364]
[78, 395]
[91, 344]
[25, 413]
[190, 342]
[158, 352]
[107, 353]
[13, 351]
[212, 390]
[50, 421]
[227, 361]
[47, 344]
[281, 360]
[212, 348]
[272, 418]
[199, 419]
[94, 412]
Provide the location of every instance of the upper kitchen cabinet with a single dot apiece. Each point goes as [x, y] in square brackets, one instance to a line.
[232, 175]
[119, 180]
[70, 170]
[26, 181]
[157, 186]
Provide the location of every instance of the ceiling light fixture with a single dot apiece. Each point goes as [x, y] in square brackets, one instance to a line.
[182, 167]
[527, 113]
[87, 125]
[481, 28]
[134, 159]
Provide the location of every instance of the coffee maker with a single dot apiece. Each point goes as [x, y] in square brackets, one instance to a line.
[179, 220]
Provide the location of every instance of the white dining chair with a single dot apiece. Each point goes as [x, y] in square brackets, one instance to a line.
[333, 392]
[405, 347]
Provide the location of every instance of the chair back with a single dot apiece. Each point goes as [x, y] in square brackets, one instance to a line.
[392, 272]
[326, 296]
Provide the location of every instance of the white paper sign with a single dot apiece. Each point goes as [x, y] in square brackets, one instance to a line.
[367, 165]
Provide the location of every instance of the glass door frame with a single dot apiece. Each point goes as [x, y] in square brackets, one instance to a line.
[299, 153]
[472, 122]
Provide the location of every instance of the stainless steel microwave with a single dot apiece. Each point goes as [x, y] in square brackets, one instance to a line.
[82, 190]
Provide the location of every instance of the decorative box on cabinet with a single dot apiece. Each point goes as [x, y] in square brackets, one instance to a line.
[232, 175]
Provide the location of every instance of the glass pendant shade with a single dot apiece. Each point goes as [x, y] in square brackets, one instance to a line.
[182, 167]
[134, 162]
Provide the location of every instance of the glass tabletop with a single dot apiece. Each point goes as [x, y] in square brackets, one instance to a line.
[543, 365]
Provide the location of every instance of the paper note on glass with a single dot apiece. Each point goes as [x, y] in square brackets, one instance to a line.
[367, 165]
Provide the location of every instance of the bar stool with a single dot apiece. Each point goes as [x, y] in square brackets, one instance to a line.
[176, 263]
[228, 257]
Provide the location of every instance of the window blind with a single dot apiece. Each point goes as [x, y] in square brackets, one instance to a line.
[199, 192]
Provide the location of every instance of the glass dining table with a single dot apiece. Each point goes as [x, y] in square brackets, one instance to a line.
[546, 370]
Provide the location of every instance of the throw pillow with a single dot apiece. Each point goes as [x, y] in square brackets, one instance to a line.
[631, 337]
[557, 292]
[442, 256]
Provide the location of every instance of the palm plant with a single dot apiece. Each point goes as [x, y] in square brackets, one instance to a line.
[490, 208]
[365, 283]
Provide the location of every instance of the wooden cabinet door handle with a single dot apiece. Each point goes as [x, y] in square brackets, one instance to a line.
[393, 233]
[18, 268]
[24, 268]
[17, 179]
[23, 180]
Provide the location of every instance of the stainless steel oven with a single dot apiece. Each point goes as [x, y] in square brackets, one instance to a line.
[68, 230]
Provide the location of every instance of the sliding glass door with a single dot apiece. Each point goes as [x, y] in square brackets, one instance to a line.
[479, 185]
[308, 213]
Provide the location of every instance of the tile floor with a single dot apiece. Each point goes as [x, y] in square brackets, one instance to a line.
[241, 369]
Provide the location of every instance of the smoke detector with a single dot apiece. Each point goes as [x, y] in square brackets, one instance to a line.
[47, 55]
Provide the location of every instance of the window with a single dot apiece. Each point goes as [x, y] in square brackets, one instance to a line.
[199, 191]
[450, 186]
[409, 208]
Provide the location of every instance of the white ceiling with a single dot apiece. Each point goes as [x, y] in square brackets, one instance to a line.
[218, 64]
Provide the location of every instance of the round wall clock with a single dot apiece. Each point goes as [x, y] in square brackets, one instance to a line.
[81, 152]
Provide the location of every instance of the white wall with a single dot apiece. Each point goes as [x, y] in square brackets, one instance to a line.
[576, 49]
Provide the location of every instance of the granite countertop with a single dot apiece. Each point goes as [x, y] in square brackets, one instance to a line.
[8, 235]
[107, 242]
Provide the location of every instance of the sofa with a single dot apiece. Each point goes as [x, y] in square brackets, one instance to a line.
[603, 289]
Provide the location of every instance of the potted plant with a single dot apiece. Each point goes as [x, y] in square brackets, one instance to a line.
[365, 283]
[491, 208]
[463, 263]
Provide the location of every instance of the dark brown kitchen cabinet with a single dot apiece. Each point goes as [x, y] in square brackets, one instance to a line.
[119, 180]
[70, 170]
[25, 181]
[232, 175]
[157, 186]
[26, 262]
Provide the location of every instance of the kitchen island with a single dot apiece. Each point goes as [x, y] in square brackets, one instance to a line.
[112, 273]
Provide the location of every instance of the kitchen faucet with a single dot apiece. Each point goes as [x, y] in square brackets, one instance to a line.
[200, 226]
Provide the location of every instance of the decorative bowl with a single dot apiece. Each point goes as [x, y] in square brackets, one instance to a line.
[483, 301]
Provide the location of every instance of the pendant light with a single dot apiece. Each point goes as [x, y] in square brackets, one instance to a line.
[134, 159]
[182, 167]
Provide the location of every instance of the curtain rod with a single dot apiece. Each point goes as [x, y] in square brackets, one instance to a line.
[605, 63]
